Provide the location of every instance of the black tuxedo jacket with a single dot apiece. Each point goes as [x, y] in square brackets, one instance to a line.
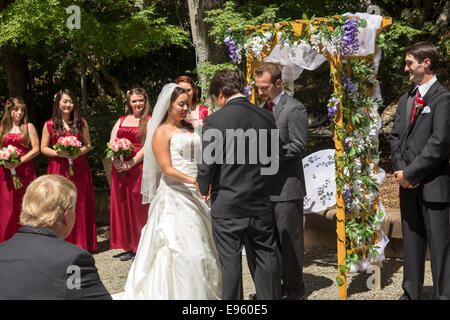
[34, 264]
[421, 149]
[238, 190]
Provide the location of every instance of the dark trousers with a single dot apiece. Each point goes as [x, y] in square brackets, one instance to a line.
[288, 217]
[422, 223]
[259, 232]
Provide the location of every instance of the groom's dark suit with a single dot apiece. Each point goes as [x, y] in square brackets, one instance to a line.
[421, 150]
[240, 201]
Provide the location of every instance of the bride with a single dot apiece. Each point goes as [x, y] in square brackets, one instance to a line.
[176, 256]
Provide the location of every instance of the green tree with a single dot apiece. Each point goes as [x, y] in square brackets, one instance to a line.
[113, 35]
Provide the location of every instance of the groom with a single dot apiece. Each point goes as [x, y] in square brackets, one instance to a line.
[420, 143]
[240, 193]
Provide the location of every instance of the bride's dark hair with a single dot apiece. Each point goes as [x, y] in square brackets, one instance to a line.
[178, 91]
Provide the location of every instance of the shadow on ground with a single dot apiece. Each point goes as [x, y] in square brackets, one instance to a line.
[102, 237]
[358, 283]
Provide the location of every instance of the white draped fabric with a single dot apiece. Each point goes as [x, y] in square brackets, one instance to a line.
[302, 56]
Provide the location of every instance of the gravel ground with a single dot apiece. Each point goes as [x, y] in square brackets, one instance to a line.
[320, 267]
[320, 271]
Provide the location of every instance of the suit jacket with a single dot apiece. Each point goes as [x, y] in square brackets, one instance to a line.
[421, 149]
[238, 190]
[292, 120]
[34, 265]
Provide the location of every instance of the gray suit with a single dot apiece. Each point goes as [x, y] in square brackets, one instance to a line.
[421, 150]
[287, 190]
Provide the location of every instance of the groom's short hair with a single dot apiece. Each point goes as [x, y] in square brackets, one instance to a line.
[227, 81]
[423, 50]
[271, 68]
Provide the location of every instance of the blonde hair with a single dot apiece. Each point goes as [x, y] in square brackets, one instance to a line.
[46, 199]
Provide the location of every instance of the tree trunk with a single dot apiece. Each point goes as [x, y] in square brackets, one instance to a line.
[205, 48]
[97, 80]
[443, 18]
[17, 73]
[18, 78]
[113, 81]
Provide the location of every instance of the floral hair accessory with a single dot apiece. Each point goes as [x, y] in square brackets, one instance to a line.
[8, 102]
[54, 96]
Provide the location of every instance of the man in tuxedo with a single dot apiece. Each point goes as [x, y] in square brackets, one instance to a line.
[36, 263]
[240, 187]
[420, 143]
[287, 187]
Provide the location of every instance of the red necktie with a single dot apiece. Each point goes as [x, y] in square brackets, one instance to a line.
[270, 106]
[414, 110]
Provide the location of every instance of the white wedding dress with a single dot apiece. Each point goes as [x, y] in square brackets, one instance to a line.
[176, 257]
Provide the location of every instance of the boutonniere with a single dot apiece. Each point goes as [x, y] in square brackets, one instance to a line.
[419, 104]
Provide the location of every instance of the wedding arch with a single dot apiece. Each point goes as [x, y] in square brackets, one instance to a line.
[348, 43]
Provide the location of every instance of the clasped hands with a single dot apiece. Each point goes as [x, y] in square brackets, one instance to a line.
[122, 166]
[12, 165]
[66, 154]
[204, 198]
[401, 180]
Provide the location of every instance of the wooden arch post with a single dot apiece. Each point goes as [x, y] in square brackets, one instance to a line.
[336, 67]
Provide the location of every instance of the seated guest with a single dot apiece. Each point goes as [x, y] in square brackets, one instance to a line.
[36, 263]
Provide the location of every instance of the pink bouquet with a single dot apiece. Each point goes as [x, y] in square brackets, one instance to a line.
[70, 144]
[10, 154]
[119, 147]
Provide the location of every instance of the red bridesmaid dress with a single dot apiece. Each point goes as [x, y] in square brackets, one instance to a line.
[83, 233]
[128, 214]
[11, 199]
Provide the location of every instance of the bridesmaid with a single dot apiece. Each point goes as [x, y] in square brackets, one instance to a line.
[17, 131]
[197, 113]
[128, 214]
[67, 121]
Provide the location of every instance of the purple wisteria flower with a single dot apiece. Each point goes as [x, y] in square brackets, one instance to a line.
[348, 142]
[350, 41]
[333, 108]
[231, 45]
[347, 195]
[349, 86]
[248, 90]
